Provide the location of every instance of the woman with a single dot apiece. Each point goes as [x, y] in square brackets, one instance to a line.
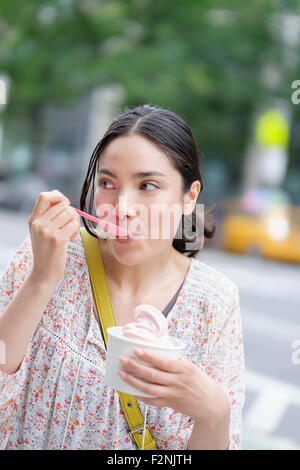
[52, 391]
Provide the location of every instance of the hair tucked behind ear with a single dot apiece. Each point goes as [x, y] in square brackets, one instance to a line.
[171, 133]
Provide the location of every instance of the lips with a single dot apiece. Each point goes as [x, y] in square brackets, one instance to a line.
[120, 231]
[132, 235]
[124, 238]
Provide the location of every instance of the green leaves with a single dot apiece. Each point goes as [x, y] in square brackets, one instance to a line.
[200, 58]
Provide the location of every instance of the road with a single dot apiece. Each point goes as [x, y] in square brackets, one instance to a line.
[270, 299]
[270, 303]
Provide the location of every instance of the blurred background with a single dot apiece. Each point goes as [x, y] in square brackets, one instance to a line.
[231, 69]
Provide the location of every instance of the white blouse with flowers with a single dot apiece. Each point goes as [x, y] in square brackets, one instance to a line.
[57, 398]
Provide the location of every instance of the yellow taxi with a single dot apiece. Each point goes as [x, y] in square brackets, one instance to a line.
[261, 223]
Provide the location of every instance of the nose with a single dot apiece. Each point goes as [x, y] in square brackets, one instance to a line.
[123, 208]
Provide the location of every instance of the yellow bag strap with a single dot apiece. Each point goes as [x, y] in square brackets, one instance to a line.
[107, 318]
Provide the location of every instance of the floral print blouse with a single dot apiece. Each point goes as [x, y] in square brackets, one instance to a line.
[57, 398]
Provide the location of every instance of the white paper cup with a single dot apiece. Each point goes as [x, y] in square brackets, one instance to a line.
[118, 345]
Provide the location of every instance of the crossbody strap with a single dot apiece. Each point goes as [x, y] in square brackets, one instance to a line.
[107, 318]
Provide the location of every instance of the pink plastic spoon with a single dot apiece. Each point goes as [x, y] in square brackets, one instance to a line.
[108, 226]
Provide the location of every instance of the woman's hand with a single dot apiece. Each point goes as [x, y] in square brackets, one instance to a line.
[52, 225]
[178, 384]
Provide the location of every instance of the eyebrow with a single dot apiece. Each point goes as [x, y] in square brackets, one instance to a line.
[140, 174]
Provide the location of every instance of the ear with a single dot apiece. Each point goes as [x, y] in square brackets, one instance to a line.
[190, 198]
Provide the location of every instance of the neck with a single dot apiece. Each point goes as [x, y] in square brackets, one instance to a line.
[139, 278]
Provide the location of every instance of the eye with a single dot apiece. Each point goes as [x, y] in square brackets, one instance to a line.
[151, 184]
[103, 181]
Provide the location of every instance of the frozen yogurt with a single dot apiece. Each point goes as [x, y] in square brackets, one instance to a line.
[149, 330]
[150, 326]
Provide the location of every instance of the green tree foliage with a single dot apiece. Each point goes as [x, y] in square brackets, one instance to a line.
[203, 59]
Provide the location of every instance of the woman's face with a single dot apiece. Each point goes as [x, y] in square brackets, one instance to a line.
[150, 205]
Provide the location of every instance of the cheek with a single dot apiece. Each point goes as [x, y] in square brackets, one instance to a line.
[163, 221]
[158, 222]
[103, 207]
[97, 198]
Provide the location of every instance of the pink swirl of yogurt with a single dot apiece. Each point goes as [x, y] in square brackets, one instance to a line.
[150, 326]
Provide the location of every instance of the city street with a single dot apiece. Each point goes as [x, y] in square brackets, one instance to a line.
[269, 299]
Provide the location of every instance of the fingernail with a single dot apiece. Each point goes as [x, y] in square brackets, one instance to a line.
[123, 360]
[139, 352]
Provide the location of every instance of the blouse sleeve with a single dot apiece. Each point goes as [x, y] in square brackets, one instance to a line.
[10, 384]
[226, 364]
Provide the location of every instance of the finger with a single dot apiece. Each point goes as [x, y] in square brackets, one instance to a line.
[75, 235]
[77, 231]
[163, 363]
[73, 226]
[64, 218]
[148, 373]
[44, 200]
[54, 211]
[67, 232]
[157, 391]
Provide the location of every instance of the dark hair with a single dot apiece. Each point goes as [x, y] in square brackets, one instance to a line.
[171, 133]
